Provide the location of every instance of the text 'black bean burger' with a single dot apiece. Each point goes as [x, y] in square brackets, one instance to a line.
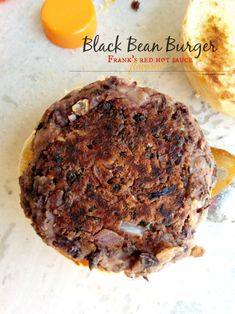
[117, 176]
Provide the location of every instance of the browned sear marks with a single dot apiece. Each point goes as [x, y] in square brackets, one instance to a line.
[136, 159]
[215, 32]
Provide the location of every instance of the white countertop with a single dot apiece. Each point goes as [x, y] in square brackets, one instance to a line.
[33, 73]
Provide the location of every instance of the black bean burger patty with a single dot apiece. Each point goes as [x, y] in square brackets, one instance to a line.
[120, 176]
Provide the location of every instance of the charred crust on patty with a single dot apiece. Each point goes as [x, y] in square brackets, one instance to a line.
[122, 184]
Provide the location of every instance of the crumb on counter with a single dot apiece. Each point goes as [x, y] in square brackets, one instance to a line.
[197, 251]
[135, 5]
[106, 5]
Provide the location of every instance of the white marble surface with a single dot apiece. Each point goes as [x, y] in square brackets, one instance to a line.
[33, 277]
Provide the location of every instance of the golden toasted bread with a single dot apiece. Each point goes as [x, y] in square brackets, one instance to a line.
[226, 169]
[213, 73]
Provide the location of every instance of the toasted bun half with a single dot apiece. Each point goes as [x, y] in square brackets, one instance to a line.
[26, 154]
[213, 73]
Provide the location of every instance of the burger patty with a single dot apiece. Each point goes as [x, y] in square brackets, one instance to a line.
[120, 177]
